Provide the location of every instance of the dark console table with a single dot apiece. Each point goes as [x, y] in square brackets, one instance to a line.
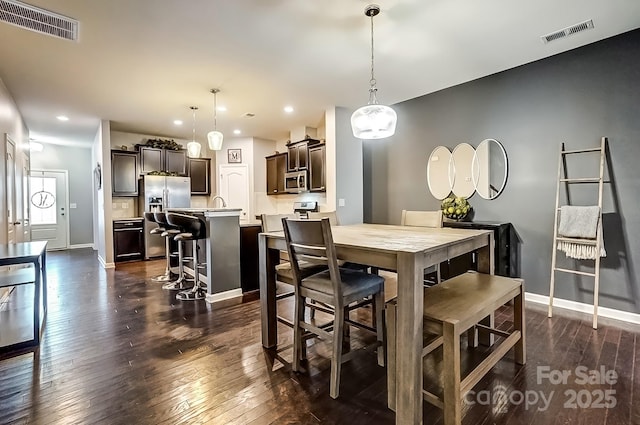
[25, 253]
[506, 250]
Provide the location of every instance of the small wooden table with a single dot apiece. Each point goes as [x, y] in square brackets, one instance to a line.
[26, 253]
[408, 250]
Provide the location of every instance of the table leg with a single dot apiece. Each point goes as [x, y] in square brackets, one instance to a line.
[36, 302]
[44, 281]
[486, 264]
[268, 260]
[409, 338]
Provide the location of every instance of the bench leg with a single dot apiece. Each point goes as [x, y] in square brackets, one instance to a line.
[451, 374]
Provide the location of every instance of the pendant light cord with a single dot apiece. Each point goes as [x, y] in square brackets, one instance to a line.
[215, 111]
[372, 82]
[194, 109]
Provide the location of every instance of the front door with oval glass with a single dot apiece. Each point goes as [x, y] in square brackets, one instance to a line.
[48, 202]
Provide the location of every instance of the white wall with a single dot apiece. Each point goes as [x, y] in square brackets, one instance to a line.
[11, 123]
[103, 236]
[77, 161]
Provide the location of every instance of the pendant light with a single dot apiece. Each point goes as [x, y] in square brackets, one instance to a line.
[373, 121]
[193, 147]
[215, 137]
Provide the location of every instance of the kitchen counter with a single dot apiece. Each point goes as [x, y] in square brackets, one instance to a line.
[222, 246]
[128, 219]
[209, 212]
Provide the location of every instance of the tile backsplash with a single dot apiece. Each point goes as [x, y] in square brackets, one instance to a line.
[124, 207]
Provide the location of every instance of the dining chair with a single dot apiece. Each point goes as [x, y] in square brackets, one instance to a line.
[431, 219]
[336, 286]
[273, 223]
[331, 215]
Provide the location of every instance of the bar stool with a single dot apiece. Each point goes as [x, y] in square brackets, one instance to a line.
[158, 231]
[192, 229]
[168, 232]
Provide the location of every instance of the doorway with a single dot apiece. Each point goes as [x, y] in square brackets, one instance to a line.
[48, 193]
[233, 186]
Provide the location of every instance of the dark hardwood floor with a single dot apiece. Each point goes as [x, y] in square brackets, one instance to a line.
[117, 349]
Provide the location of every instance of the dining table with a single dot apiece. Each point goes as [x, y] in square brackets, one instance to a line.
[26, 263]
[407, 251]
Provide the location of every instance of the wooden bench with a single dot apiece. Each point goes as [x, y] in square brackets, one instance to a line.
[452, 308]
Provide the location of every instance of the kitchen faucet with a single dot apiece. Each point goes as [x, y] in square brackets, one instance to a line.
[224, 204]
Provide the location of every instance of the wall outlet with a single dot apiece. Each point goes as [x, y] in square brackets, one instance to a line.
[125, 205]
[341, 202]
[73, 205]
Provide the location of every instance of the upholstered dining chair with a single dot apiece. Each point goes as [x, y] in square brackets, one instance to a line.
[336, 286]
[424, 219]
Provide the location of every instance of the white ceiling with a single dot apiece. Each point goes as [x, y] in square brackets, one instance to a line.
[142, 63]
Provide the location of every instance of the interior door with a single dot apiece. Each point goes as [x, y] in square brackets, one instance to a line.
[12, 219]
[48, 202]
[233, 186]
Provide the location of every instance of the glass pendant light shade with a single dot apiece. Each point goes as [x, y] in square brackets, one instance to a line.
[215, 137]
[373, 121]
[215, 140]
[193, 147]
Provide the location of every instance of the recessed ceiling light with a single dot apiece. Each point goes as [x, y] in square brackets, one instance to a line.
[221, 108]
[62, 118]
[177, 122]
[236, 131]
[288, 109]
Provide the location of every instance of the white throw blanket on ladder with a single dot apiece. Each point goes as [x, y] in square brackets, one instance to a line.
[580, 223]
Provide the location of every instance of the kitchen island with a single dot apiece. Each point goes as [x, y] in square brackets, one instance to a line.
[222, 247]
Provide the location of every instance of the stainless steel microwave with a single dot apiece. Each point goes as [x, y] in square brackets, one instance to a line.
[296, 182]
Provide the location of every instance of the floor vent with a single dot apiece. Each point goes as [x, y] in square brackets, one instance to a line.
[39, 20]
[582, 26]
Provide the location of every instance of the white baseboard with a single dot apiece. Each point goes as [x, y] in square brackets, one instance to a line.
[233, 294]
[611, 313]
[81, 245]
[106, 265]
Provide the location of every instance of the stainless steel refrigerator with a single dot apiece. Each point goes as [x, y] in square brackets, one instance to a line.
[157, 193]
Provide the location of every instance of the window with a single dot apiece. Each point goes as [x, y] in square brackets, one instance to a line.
[42, 195]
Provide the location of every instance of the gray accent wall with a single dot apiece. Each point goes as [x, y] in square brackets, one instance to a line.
[77, 161]
[575, 97]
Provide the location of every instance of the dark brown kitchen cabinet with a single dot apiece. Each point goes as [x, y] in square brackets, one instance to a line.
[155, 159]
[128, 240]
[249, 266]
[317, 168]
[199, 169]
[276, 168]
[299, 154]
[124, 173]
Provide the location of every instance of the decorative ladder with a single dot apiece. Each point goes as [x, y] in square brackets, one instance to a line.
[563, 178]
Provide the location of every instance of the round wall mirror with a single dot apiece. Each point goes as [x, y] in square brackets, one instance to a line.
[490, 169]
[438, 172]
[461, 165]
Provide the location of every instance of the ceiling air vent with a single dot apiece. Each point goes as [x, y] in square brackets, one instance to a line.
[39, 20]
[565, 32]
